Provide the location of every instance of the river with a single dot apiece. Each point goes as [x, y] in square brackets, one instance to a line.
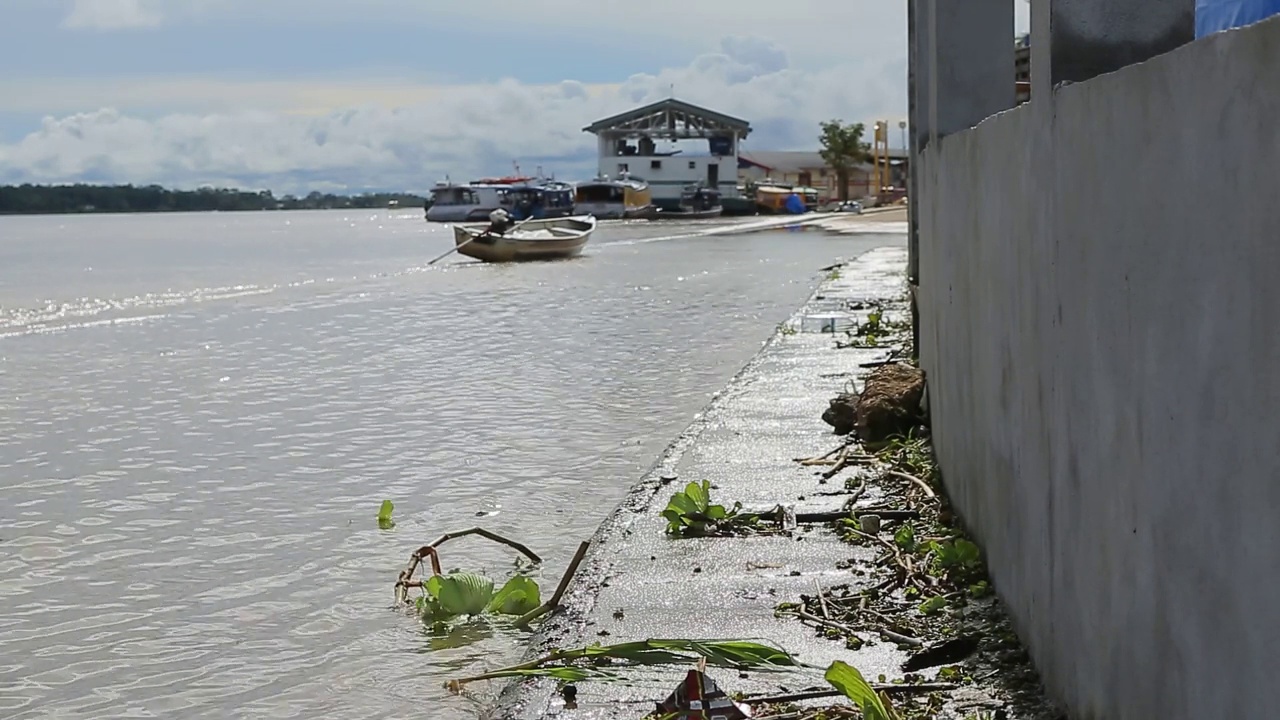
[201, 413]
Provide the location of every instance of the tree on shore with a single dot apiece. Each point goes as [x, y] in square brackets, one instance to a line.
[843, 150]
[81, 198]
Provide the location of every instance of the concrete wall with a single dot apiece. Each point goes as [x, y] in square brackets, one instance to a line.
[1100, 322]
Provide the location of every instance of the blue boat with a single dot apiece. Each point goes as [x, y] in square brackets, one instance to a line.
[543, 200]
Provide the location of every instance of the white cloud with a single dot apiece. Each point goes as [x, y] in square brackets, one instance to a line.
[464, 131]
[111, 14]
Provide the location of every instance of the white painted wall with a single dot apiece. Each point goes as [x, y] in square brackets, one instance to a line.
[674, 172]
[1100, 288]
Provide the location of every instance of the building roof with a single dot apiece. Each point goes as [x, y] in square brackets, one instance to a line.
[670, 118]
[796, 160]
[784, 160]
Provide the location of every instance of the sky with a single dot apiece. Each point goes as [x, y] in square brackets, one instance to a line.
[347, 96]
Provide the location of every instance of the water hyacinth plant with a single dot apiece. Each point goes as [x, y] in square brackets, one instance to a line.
[463, 594]
[467, 594]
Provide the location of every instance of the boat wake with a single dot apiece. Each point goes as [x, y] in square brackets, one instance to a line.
[715, 228]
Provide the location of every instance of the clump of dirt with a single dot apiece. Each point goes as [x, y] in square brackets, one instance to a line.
[842, 413]
[889, 405]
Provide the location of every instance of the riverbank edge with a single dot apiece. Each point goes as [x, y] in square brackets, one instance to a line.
[522, 700]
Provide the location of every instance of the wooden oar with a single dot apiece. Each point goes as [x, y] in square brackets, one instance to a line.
[473, 238]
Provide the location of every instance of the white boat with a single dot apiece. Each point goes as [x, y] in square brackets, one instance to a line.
[543, 239]
[472, 202]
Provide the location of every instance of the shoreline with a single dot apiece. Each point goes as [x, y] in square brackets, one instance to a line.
[636, 583]
[614, 563]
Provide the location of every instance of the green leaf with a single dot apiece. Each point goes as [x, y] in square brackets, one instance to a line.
[967, 554]
[674, 520]
[683, 504]
[933, 605]
[432, 586]
[700, 495]
[384, 515]
[717, 512]
[849, 681]
[430, 611]
[519, 596]
[429, 604]
[905, 538]
[465, 593]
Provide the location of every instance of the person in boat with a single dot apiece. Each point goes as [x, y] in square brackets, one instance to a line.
[499, 222]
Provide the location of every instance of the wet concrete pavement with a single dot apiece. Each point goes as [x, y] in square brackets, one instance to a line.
[637, 583]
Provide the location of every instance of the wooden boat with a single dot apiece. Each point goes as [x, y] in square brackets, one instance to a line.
[696, 203]
[626, 198]
[774, 199]
[542, 239]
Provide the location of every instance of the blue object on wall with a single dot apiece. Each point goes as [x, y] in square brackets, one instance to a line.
[1215, 15]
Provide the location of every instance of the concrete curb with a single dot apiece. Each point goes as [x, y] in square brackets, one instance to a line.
[744, 442]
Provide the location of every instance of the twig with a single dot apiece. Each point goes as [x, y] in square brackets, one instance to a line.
[889, 688]
[429, 551]
[923, 485]
[889, 514]
[900, 638]
[857, 494]
[554, 602]
[833, 515]
[822, 601]
[822, 459]
[826, 623]
[821, 517]
[841, 464]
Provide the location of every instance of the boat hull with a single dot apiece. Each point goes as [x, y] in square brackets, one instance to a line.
[708, 214]
[648, 212]
[550, 239]
[458, 213]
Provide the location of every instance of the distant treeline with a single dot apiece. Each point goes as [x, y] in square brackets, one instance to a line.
[37, 199]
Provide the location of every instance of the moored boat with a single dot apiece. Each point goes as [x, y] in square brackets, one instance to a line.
[626, 198]
[696, 203]
[544, 239]
[519, 195]
[776, 199]
[549, 199]
[471, 202]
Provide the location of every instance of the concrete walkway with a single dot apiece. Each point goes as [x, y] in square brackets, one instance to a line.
[636, 583]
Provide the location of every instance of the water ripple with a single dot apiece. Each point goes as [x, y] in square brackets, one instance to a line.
[186, 519]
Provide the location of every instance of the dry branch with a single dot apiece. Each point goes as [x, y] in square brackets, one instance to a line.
[554, 602]
[429, 550]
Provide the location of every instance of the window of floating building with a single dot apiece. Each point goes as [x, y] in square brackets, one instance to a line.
[655, 164]
[693, 165]
[622, 167]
